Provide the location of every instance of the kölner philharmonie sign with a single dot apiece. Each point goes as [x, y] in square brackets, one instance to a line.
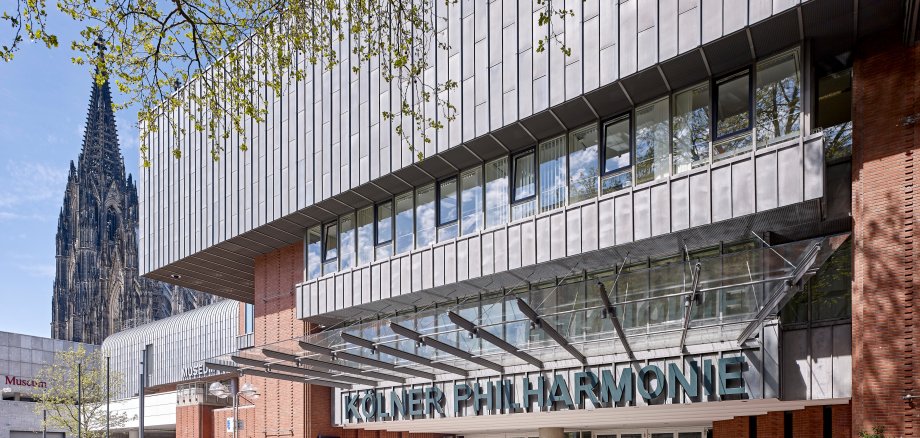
[547, 392]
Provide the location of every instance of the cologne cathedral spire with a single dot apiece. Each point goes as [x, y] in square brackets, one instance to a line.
[97, 290]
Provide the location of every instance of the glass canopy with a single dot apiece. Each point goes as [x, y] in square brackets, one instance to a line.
[717, 295]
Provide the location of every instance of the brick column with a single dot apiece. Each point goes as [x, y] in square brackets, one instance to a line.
[886, 363]
[194, 421]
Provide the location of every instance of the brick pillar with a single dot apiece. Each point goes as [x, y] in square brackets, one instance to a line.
[771, 425]
[886, 200]
[194, 421]
[737, 427]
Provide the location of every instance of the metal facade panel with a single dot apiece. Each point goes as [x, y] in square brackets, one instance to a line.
[623, 219]
[427, 274]
[742, 188]
[385, 280]
[814, 169]
[647, 33]
[366, 285]
[514, 247]
[347, 291]
[450, 263]
[688, 29]
[475, 257]
[438, 268]
[528, 244]
[760, 9]
[463, 260]
[660, 209]
[753, 377]
[771, 361]
[641, 209]
[488, 254]
[822, 362]
[789, 165]
[628, 43]
[573, 231]
[592, 62]
[606, 230]
[712, 19]
[376, 285]
[543, 242]
[766, 182]
[680, 204]
[589, 227]
[782, 5]
[796, 378]
[722, 193]
[417, 271]
[667, 29]
[735, 15]
[500, 248]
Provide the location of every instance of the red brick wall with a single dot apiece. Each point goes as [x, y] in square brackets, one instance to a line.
[771, 425]
[886, 364]
[737, 427]
[842, 419]
[194, 421]
[806, 423]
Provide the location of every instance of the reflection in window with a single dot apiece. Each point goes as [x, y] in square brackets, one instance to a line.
[552, 174]
[384, 230]
[496, 192]
[617, 148]
[347, 241]
[365, 235]
[447, 209]
[738, 264]
[314, 252]
[405, 223]
[833, 114]
[827, 295]
[733, 115]
[778, 99]
[690, 126]
[583, 164]
[424, 216]
[666, 279]
[652, 141]
[249, 318]
[525, 186]
[470, 201]
[330, 247]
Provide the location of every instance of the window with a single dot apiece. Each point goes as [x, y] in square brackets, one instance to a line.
[470, 201]
[347, 241]
[447, 209]
[652, 140]
[833, 114]
[525, 186]
[496, 192]
[552, 174]
[314, 252]
[365, 235]
[424, 216]
[583, 164]
[733, 115]
[405, 223]
[617, 147]
[384, 230]
[778, 99]
[330, 247]
[248, 318]
[690, 127]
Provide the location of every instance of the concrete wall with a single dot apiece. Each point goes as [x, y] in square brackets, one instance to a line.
[20, 417]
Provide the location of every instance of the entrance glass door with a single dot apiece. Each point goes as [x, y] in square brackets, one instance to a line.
[688, 432]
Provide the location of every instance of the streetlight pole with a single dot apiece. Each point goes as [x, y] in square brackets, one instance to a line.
[140, 395]
[235, 393]
[108, 361]
[79, 400]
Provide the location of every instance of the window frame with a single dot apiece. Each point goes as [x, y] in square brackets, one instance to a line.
[437, 200]
[568, 162]
[709, 83]
[602, 133]
[512, 186]
[325, 234]
[377, 241]
[714, 101]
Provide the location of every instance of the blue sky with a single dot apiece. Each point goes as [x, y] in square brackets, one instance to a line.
[43, 103]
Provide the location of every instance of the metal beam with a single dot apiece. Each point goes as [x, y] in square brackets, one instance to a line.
[614, 318]
[269, 375]
[329, 366]
[363, 360]
[691, 299]
[550, 331]
[302, 371]
[441, 346]
[780, 292]
[386, 349]
[492, 339]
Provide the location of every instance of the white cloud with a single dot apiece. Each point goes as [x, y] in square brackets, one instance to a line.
[25, 184]
[37, 270]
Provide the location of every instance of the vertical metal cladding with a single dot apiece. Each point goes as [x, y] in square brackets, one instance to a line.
[324, 135]
[180, 343]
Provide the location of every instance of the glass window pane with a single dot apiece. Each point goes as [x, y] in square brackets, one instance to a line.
[691, 128]
[778, 99]
[365, 235]
[733, 106]
[447, 202]
[552, 174]
[616, 145]
[525, 183]
[471, 201]
[425, 216]
[347, 241]
[331, 242]
[496, 192]
[652, 142]
[405, 223]
[314, 252]
[830, 288]
[583, 150]
[384, 222]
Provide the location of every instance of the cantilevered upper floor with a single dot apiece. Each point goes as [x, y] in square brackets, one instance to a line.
[681, 119]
